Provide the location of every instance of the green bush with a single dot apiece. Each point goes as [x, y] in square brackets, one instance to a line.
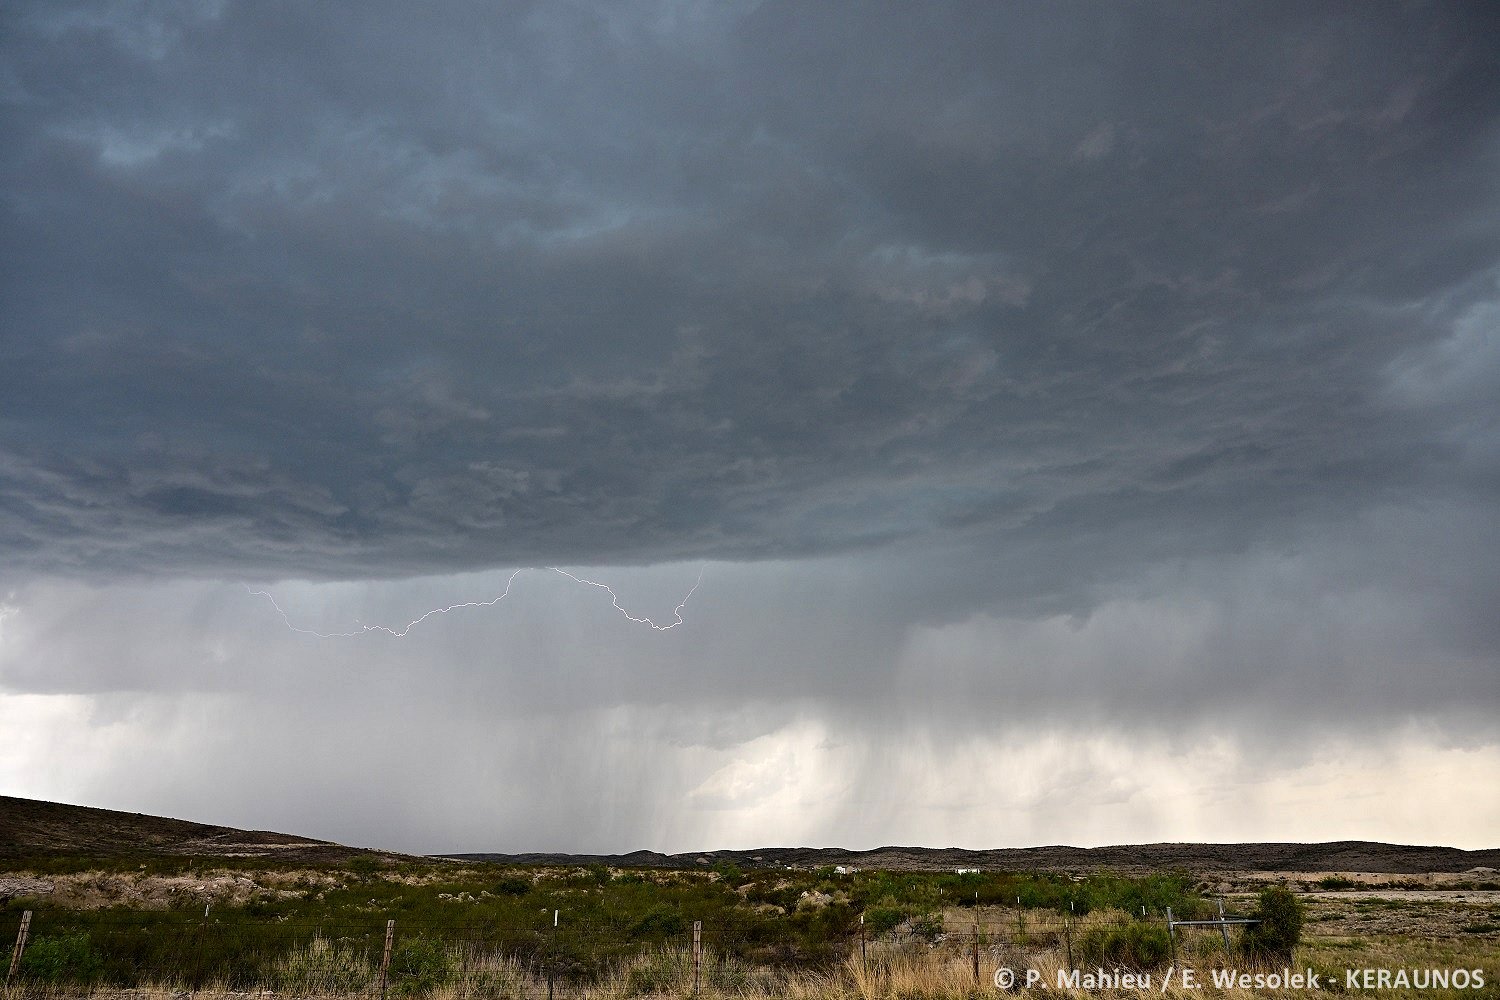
[1280, 928]
[1134, 945]
[659, 921]
[513, 885]
[927, 925]
[60, 958]
[880, 919]
[419, 966]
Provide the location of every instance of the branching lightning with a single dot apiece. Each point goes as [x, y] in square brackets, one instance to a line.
[676, 612]
[403, 630]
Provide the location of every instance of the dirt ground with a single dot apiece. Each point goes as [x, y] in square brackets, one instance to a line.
[1432, 915]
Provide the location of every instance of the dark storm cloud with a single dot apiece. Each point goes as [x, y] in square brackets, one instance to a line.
[1084, 417]
[324, 291]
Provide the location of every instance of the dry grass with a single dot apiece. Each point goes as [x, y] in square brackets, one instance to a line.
[912, 971]
[911, 975]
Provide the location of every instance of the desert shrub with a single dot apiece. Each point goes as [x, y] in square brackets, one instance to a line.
[883, 917]
[419, 966]
[364, 864]
[60, 958]
[1135, 945]
[656, 972]
[670, 970]
[822, 931]
[247, 944]
[323, 967]
[513, 885]
[1280, 928]
[1336, 882]
[928, 926]
[1108, 891]
[659, 921]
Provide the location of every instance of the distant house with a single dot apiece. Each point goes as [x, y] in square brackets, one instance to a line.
[966, 871]
[844, 869]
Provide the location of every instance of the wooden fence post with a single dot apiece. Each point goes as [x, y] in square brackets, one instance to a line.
[976, 953]
[20, 948]
[1068, 936]
[697, 955]
[1223, 927]
[385, 958]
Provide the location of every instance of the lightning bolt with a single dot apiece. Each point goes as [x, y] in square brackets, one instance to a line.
[403, 630]
[676, 612]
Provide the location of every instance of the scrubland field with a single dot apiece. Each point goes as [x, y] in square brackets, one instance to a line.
[157, 910]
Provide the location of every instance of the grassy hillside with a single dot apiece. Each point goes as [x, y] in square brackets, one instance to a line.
[46, 833]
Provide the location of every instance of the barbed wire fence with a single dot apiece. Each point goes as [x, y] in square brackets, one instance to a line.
[389, 956]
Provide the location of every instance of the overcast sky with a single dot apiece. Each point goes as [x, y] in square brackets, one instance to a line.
[1080, 422]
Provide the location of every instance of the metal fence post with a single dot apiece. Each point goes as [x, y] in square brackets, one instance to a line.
[463, 972]
[20, 948]
[551, 957]
[1172, 935]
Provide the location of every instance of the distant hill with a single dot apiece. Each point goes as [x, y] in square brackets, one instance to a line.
[32, 828]
[1339, 856]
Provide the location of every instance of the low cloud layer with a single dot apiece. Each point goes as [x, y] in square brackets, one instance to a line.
[1010, 373]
